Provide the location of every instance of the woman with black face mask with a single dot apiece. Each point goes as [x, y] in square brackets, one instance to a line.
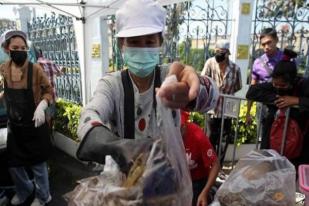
[285, 90]
[27, 93]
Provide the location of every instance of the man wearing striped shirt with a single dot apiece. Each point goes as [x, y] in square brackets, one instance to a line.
[227, 76]
[51, 70]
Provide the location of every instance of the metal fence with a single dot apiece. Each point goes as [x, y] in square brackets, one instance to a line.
[290, 19]
[6, 25]
[199, 25]
[231, 108]
[191, 29]
[55, 35]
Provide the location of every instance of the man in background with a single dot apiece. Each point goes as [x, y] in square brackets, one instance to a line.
[227, 76]
[262, 70]
[52, 71]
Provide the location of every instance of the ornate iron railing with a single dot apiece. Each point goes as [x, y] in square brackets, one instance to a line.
[191, 28]
[6, 24]
[194, 27]
[56, 37]
[201, 24]
[290, 18]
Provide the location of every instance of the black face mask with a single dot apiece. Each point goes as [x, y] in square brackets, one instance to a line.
[283, 92]
[220, 57]
[18, 57]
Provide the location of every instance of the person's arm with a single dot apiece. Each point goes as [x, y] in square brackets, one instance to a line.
[263, 92]
[254, 80]
[193, 92]
[214, 170]
[46, 88]
[210, 160]
[43, 95]
[302, 100]
[1, 81]
[99, 109]
[206, 69]
[238, 83]
[56, 69]
[249, 105]
[97, 139]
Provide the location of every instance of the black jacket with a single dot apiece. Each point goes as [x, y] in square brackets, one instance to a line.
[266, 93]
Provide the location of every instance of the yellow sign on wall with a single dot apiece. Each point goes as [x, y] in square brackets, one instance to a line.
[245, 8]
[96, 50]
[242, 51]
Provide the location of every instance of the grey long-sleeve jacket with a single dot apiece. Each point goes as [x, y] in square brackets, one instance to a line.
[107, 105]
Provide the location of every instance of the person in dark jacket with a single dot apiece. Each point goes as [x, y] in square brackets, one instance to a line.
[285, 90]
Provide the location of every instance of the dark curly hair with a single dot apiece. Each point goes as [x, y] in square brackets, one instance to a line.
[286, 68]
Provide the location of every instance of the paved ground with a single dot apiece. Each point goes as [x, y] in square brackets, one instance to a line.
[64, 171]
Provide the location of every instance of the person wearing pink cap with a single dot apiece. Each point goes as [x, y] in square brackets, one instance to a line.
[27, 93]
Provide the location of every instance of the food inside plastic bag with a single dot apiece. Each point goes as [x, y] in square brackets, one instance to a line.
[261, 178]
[151, 181]
[159, 175]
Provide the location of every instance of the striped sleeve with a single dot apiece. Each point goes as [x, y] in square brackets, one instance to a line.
[208, 95]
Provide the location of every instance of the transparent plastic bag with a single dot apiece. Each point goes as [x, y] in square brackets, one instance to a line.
[159, 175]
[261, 178]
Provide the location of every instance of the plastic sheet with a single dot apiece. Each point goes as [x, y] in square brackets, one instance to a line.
[159, 176]
[261, 178]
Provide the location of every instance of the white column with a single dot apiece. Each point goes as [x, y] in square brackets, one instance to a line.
[105, 47]
[242, 11]
[94, 63]
[24, 17]
[79, 29]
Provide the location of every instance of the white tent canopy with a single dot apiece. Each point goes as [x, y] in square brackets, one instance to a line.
[79, 9]
[90, 28]
[74, 7]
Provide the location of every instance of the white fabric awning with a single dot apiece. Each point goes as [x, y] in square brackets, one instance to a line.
[85, 14]
[74, 7]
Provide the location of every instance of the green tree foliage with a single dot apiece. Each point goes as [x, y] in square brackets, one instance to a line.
[197, 118]
[192, 56]
[246, 133]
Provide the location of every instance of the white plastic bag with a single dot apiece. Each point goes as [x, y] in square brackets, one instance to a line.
[175, 151]
[164, 180]
[261, 178]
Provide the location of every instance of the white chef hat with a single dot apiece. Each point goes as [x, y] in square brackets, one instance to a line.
[140, 17]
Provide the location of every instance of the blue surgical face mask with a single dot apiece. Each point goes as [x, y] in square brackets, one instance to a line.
[141, 61]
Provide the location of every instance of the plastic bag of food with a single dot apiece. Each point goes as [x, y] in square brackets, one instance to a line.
[261, 178]
[159, 175]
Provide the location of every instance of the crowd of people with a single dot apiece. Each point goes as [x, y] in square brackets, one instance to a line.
[123, 107]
